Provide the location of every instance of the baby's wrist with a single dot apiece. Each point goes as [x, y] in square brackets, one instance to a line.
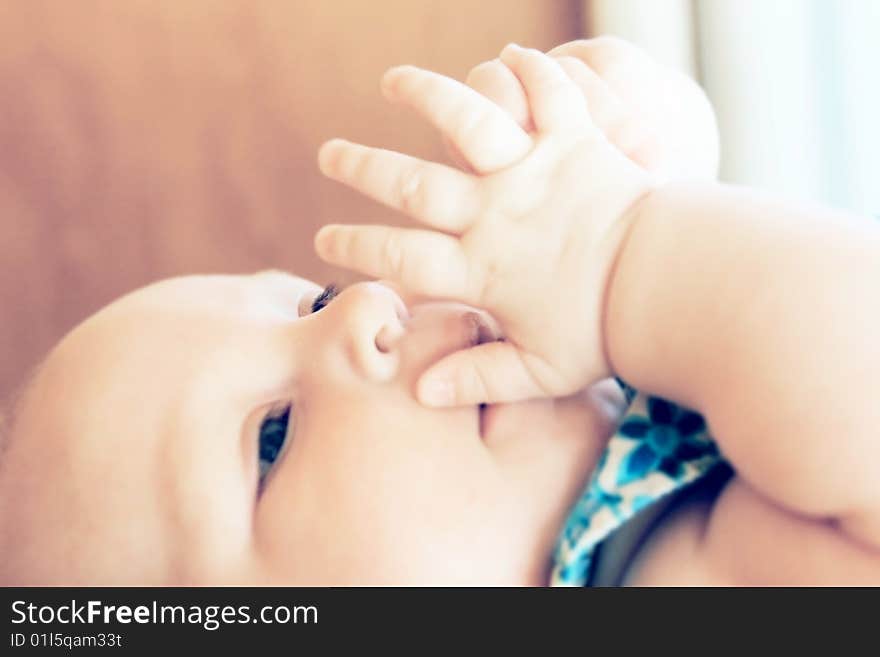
[621, 231]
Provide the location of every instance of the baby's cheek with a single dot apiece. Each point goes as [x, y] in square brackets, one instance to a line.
[558, 459]
[414, 531]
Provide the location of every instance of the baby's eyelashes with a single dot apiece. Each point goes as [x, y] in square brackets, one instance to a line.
[308, 304]
[326, 296]
[272, 438]
[275, 427]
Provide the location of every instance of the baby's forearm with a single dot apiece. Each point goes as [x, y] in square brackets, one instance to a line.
[765, 316]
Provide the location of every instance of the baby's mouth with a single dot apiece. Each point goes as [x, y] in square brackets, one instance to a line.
[483, 332]
[482, 329]
[481, 411]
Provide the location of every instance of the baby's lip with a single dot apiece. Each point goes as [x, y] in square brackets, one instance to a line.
[498, 421]
[482, 329]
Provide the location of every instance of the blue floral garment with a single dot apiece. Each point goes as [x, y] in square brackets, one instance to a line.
[657, 449]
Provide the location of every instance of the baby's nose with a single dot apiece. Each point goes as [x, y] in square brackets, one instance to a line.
[372, 318]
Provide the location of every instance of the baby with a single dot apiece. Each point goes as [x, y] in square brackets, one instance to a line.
[259, 430]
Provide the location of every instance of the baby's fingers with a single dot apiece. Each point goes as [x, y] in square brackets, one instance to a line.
[440, 196]
[486, 374]
[422, 261]
[487, 137]
[556, 102]
[496, 82]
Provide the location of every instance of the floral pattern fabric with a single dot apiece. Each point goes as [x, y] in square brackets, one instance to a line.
[658, 448]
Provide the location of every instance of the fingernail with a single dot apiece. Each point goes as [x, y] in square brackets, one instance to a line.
[392, 75]
[436, 392]
[327, 154]
[511, 48]
[395, 72]
[322, 240]
[386, 84]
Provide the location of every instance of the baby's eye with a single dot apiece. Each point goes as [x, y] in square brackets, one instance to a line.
[325, 297]
[275, 426]
[273, 436]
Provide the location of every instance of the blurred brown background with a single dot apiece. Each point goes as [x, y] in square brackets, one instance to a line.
[149, 138]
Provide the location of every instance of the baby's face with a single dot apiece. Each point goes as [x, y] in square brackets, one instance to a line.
[135, 459]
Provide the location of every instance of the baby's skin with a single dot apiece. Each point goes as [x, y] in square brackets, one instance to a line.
[760, 313]
[133, 455]
[133, 459]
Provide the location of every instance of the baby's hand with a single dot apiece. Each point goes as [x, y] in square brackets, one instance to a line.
[656, 115]
[533, 243]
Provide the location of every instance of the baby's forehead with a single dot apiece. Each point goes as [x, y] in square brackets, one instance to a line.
[217, 291]
[90, 451]
[85, 449]
[102, 361]
[56, 468]
[284, 278]
[84, 380]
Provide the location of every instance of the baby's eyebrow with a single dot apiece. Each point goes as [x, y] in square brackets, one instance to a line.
[285, 277]
[272, 273]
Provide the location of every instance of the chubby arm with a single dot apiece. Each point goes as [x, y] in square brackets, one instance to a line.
[758, 314]
[765, 316]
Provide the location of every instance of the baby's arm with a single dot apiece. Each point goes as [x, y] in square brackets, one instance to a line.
[753, 311]
[766, 317]
[623, 87]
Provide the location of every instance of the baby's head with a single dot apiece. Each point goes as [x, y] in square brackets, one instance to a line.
[134, 455]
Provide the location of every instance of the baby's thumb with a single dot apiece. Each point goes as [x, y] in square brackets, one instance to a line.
[489, 373]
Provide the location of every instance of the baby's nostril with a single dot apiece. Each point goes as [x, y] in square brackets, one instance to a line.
[386, 337]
